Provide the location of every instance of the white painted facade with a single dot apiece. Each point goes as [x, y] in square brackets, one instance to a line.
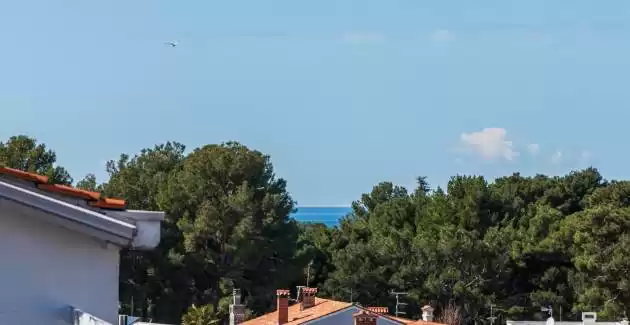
[588, 318]
[46, 270]
[527, 322]
[344, 316]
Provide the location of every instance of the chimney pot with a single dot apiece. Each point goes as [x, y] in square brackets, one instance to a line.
[364, 317]
[283, 306]
[427, 313]
[308, 298]
[589, 317]
[378, 310]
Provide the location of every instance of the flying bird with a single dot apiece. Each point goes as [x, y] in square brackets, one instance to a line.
[171, 44]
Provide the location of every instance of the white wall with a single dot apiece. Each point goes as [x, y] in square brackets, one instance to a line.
[344, 317]
[46, 269]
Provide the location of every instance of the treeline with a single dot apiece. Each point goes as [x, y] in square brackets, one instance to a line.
[517, 243]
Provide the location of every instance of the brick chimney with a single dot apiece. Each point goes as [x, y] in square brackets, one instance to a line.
[427, 313]
[283, 306]
[364, 317]
[308, 298]
[237, 310]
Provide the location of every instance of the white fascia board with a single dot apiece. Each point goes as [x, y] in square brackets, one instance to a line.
[142, 215]
[64, 210]
[80, 317]
[148, 226]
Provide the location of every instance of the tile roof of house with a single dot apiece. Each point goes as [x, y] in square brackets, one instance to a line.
[323, 307]
[93, 199]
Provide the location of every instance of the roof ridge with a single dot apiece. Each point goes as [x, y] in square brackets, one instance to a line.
[92, 198]
[386, 316]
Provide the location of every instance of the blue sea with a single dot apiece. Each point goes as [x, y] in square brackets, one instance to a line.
[327, 215]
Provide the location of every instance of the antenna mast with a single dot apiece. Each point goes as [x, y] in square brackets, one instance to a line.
[351, 293]
[308, 273]
[399, 304]
[492, 318]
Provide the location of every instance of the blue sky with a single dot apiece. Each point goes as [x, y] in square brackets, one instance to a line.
[341, 94]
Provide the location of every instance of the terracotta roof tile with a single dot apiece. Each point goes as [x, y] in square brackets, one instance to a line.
[94, 199]
[70, 191]
[40, 179]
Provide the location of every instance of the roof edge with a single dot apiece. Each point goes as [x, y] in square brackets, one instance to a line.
[43, 182]
[76, 214]
[342, 309]
[386, 316]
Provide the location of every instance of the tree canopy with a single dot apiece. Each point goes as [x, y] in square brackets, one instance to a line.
[518, 242]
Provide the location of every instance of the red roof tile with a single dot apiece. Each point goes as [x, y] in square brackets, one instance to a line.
[93, 198]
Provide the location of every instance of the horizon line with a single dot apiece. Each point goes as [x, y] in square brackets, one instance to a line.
[325, 206]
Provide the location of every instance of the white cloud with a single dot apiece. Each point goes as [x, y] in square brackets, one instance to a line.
[489, 143]
[442, 35]
[363, 37]
[533, 149]
[556, 158]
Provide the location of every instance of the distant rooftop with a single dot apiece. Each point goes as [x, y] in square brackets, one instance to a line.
[588, 318]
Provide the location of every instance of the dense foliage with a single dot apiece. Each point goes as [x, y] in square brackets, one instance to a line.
[518, 243]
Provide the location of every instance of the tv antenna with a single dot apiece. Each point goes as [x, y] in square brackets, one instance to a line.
[351, 293]
[399, 304]
[492, 318]
[308, 273]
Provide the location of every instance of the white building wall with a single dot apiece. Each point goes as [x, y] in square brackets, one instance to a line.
[46, 269]
[525, 322]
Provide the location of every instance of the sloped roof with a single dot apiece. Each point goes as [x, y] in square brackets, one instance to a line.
[93, 199]
[78, 210]
[323, 307]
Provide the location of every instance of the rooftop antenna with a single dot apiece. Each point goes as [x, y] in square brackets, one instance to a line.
[550, 320]
[399, 304]
[299, 294]
[351, 293]
[492, 318]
